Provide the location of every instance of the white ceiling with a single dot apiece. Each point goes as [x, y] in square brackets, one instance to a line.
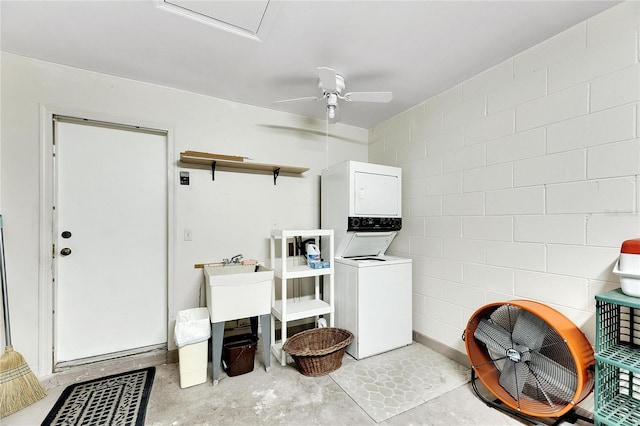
[415, 49]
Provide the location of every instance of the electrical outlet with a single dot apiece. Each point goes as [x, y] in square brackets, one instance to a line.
[188, 235]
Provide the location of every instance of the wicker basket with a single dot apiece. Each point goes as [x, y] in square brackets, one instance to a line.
[318, 351]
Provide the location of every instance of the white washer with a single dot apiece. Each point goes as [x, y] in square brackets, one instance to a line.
[373, 301]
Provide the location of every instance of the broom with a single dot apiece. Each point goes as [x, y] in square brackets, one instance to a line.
[19, 387]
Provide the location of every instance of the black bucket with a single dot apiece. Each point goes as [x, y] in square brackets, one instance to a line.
[238, 354]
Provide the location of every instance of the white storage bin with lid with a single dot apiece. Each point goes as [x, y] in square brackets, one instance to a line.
[628, 267]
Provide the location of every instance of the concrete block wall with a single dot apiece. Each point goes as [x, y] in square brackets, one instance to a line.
[523, 181]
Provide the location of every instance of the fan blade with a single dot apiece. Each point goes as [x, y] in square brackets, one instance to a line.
[529, 330]
[368, 97]
[513, 377]
[556, 379]
[307, 98]
[497, 339]
[327, 78]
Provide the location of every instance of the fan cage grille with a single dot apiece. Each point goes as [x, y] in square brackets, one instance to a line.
[554, 390]
[564, 343]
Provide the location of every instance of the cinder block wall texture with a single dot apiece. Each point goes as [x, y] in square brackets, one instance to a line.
[523, 181]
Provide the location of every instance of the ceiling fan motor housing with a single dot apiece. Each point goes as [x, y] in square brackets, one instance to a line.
[530, 356]
[340, 86]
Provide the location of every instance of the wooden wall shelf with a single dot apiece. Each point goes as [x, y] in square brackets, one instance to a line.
[235, 162]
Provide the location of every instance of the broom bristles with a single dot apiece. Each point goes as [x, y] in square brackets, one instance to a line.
[19, 387]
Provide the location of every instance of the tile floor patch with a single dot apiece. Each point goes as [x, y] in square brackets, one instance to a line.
[399, 380]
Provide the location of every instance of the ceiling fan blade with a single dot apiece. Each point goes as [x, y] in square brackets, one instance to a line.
[306, 98]
[368, 97]
[529, 330]
[327, 78]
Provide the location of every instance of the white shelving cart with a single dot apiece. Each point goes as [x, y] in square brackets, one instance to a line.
[288, 268]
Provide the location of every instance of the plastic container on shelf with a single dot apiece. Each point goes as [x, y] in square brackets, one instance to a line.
[630, 256]
[628, 267]
[313, 255]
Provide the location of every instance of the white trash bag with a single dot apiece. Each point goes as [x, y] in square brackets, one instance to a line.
[192, 326]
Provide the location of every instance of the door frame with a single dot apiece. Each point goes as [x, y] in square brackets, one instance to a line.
[46, 292]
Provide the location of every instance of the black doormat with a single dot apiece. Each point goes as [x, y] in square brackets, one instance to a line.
[120, 399]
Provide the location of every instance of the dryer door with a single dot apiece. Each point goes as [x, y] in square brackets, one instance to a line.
[376, 194]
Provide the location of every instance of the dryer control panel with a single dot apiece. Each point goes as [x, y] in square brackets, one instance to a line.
[374, 224]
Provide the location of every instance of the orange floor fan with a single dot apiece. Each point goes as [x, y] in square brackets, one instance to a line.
[532, 358]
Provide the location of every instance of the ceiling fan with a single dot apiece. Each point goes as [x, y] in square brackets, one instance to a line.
[332, 86]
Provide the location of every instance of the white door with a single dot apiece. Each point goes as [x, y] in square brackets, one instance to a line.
[110, 235]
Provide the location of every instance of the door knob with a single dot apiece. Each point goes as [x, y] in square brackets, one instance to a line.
[65, 251]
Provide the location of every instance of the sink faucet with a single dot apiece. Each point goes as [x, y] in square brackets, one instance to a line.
[235, 259]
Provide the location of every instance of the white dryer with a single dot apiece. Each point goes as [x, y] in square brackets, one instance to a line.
[361, 202]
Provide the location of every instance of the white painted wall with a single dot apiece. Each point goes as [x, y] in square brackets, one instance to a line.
[523, 181]
[232, 215]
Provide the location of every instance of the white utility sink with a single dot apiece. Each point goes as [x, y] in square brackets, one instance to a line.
[237, 291]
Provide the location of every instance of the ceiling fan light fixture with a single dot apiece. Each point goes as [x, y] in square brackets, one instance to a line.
[332, 111]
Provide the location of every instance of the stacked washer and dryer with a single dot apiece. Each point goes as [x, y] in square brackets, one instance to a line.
[362, 203]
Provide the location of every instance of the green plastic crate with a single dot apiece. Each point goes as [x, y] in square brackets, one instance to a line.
[617, 396]
[617, 352]
[618, 321]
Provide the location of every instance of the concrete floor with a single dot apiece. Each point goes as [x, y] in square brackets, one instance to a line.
[280, 396]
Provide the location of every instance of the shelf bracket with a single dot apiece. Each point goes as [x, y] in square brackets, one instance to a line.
[213, 170]
[276, 172]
